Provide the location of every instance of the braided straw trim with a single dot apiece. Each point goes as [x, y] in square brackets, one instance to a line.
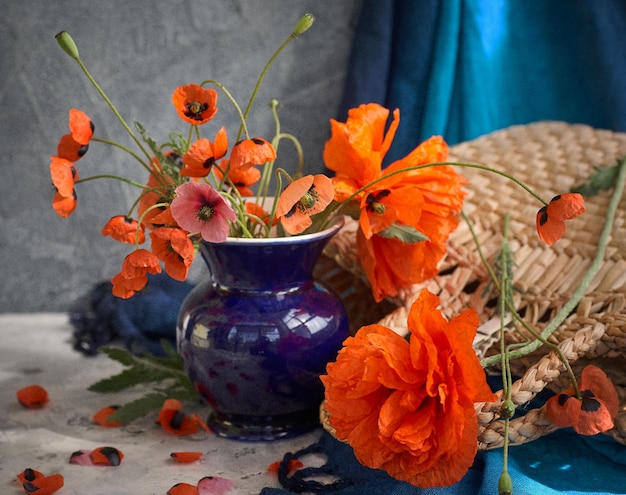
[550, 157]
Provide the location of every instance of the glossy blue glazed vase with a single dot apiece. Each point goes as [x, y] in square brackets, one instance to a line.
[256, 335]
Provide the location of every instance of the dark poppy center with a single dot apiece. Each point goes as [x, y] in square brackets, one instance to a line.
[373, 204]
[194, 109]
[205, 213]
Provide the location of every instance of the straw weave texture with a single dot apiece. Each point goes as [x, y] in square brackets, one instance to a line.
[550, 157]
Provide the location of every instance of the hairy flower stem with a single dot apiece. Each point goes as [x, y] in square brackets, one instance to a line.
[242, 118]
[596, 264]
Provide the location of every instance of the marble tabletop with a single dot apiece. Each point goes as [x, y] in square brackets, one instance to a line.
[36, 349]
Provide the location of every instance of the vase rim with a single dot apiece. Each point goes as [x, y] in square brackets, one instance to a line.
[338, 223]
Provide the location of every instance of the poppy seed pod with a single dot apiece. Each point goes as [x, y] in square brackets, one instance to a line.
[66, 42]
[305, 22]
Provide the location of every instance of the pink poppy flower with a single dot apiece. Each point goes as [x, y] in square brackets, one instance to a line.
[200, 208]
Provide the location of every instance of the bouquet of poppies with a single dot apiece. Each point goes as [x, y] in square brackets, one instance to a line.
[204, 186]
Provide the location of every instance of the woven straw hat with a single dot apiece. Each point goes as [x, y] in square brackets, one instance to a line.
[550, 157]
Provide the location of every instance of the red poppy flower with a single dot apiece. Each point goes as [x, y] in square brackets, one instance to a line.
[407, 407]
[591, 414]
[183, 489]
[133, 276]
[203, 154]
[250, 152]
[240, 178]
[200, 208]
[195, 104]
[551, 218]
[102, 417]
[159, 189]
[301, 199]
[74, 145]
[64, 175]
[124, 229]
[185, 457]
[44, 485]
[33, 396]
[173, 420]
[174, 248]
[64, 205]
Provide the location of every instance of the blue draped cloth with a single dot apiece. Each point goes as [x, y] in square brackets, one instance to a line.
[464, 68]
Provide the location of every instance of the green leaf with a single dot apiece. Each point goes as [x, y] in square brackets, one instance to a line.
[126, 379]
[120, 355]
[139, 407]
[601, 180]
[404, 233]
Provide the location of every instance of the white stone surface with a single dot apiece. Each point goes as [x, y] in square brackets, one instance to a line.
[36, 348]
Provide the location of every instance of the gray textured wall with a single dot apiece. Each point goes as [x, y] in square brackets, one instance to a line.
[139, 51]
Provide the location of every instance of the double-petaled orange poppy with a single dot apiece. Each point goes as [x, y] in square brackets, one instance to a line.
[159, 190]
[407, 407]
[301, 199]
[240, 178]
[203, 154]
[195, 104]
[551, 218]
[124, 229]
[175, 249]
[593, 412]
[425, 199]
[133, 276]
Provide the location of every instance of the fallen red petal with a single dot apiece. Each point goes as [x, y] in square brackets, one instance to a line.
[103, 415]
[107, 456]
[183, 489]
[45, 485]
[81, 458]
[185, 457]
[29, 475]
[214, 485]
[294, 465]
[33, 396]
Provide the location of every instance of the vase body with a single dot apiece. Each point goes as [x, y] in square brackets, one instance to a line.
[257, 334]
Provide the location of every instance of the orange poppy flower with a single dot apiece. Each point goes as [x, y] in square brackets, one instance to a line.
[183, 489]
[44, 485]
[203, 154]
[64, 205]
[250, 152]
[33, 396]
[301, 199]
[74, 145]
[356, 148]
[159, 189]
[133, 276]
[407, 407]
[124, 229]
[64, 175]
[257, 211]
[551, 218]
[175, 249]
[195, 104]
[186, 457]
[173, 420]
[240, 178]
[102, 417]
[591, 414]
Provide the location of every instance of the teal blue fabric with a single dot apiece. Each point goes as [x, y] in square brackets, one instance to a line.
[464, 68]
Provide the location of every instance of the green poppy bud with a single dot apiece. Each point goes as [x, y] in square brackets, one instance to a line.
[507, 409]
[505, 484]
[304, 23]
[66, 42]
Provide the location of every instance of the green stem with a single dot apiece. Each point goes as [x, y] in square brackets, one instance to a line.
[596, 264]
[110, 176]
[112, 107]
[242, 118]
[125, 149]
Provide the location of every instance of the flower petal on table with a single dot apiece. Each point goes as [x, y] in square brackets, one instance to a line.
[214, 485]
[45, 485]
[102, 417]
[29, 475]
[32, 396]
[183, 489]
[185, 457]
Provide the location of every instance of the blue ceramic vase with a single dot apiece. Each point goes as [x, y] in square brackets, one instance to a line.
[257, 334]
